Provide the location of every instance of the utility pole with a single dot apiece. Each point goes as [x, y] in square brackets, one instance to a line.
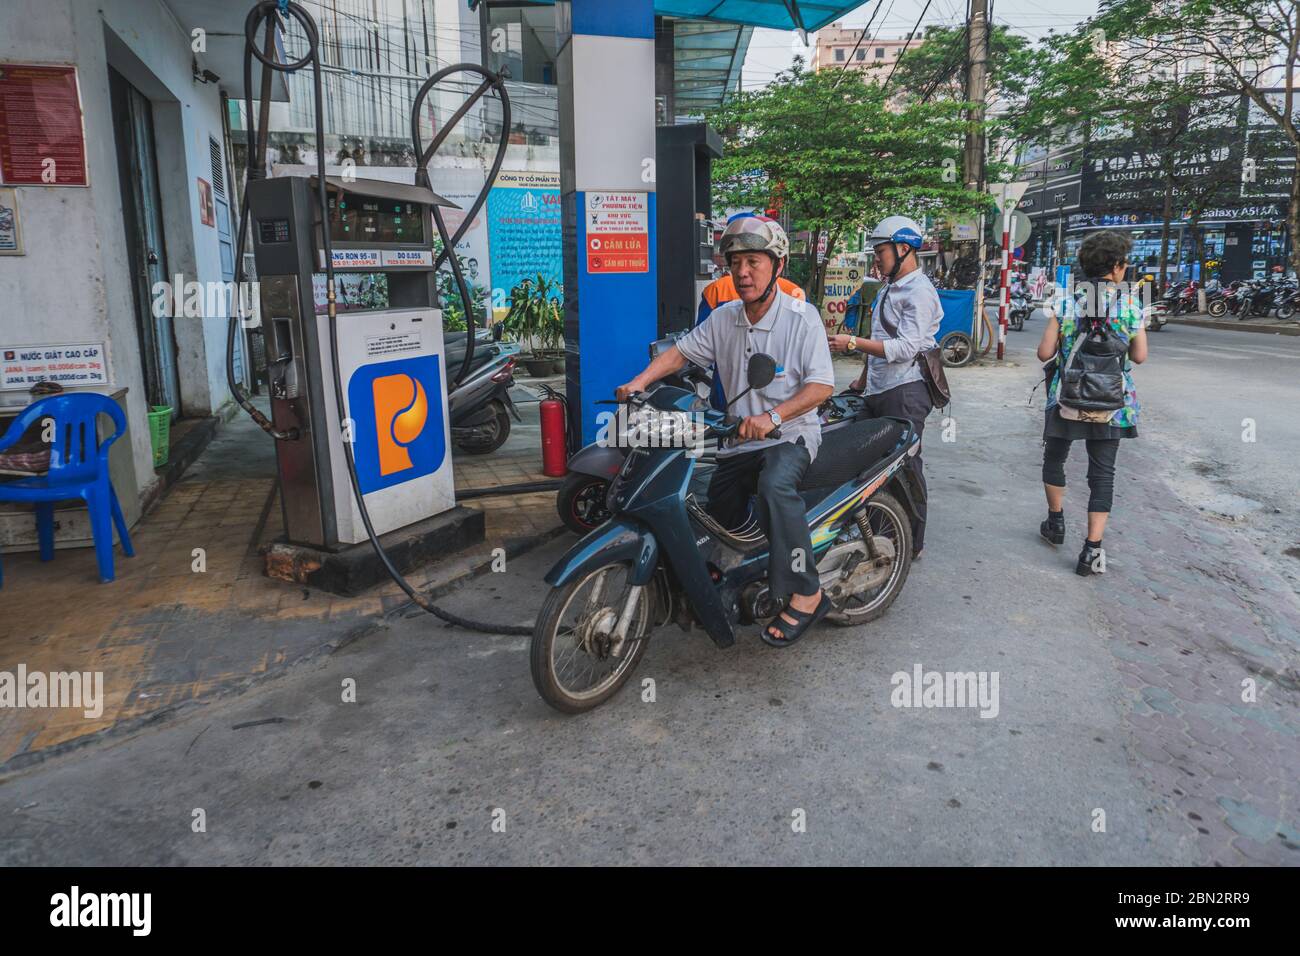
[977, 57]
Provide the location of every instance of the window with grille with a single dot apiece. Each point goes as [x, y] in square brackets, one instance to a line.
[218, 167]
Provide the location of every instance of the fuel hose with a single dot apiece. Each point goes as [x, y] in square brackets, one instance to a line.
[267, 14]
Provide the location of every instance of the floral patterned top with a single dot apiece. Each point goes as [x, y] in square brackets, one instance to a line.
[1126, 320]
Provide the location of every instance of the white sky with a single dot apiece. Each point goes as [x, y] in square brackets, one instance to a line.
[771, 51]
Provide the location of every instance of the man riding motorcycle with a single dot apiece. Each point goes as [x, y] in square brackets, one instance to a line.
[767, 320]
[723, 289]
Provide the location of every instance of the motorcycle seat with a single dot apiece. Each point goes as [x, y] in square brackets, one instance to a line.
[850, 449]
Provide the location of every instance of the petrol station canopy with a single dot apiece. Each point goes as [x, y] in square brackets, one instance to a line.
[777, 14]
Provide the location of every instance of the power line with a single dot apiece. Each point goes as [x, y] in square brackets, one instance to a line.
[899, 58]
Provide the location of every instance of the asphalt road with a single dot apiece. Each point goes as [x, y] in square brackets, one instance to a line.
[1121, 735]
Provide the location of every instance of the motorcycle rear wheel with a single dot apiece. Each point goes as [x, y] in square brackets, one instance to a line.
[573, 633]
[889, 520]
[1217, 308]
[489, 437]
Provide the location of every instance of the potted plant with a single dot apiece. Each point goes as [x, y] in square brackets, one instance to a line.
[535, 322]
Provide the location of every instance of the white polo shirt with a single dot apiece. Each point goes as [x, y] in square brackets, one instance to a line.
[792, 333]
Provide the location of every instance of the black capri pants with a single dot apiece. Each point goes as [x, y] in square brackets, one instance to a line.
[1101, 468]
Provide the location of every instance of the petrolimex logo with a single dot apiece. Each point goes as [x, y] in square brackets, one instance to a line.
[399, 430]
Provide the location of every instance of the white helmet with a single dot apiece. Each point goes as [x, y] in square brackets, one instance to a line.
[896, 229]
[750, 232]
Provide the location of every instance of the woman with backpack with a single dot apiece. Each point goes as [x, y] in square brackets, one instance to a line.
[1090, 347]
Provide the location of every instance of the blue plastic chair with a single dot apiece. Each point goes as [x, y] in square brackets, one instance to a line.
[78, 469]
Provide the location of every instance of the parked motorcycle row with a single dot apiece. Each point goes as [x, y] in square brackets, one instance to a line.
[1247, 298]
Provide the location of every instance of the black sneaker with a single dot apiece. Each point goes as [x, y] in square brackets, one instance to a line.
[1053, 529]
[1091, 561]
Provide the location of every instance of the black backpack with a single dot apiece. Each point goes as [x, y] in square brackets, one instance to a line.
[1092, 377]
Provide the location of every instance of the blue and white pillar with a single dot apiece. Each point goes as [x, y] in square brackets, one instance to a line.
[606, 70]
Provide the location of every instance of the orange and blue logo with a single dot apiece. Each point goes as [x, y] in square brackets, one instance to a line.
[398, 421]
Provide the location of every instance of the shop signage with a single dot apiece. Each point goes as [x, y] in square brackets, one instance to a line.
[22, 366]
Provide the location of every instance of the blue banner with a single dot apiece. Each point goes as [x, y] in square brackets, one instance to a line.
[524, 231]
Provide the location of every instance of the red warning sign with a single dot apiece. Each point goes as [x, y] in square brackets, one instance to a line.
[41, 138]
[618, 232]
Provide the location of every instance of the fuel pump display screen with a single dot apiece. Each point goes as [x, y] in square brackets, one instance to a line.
[364, 219]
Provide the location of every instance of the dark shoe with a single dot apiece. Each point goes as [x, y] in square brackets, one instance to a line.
[804, 622]
[1053, 529]
[1091, 561]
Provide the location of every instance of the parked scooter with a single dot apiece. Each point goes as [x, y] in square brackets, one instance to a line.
[1261, 298]
[661, 557]
[480, 407]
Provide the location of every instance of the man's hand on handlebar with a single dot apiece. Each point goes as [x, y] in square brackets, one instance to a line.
[623, 392]
[754, 428]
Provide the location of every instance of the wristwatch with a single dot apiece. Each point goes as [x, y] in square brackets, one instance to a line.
[776, 418]
[853, 343]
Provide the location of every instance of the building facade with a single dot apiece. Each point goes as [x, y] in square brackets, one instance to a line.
[840, 47]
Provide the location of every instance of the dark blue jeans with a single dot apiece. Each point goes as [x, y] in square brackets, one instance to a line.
[773, 474]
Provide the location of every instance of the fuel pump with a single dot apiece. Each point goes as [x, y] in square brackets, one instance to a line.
[389, 350]
[358, 405]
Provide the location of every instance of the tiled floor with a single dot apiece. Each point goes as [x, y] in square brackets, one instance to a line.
[192, 615]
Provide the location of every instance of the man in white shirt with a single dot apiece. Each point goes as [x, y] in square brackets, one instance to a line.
[767, 320]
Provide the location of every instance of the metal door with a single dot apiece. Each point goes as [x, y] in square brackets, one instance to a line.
[142, 221]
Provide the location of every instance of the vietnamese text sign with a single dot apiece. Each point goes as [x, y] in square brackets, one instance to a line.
[22, 366]
[618, 232]
[840, 283]
[41, 137]
[524, 238]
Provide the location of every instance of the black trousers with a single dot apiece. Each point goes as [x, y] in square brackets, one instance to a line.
[773, 474]
[911, 401]
[1101, 468]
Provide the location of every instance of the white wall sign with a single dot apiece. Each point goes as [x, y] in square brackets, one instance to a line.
[22, 366]
[11, 234]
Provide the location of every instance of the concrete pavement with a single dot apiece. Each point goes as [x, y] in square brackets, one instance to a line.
[1121, 735]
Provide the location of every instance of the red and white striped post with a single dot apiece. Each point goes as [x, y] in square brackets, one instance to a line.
[1003, 290]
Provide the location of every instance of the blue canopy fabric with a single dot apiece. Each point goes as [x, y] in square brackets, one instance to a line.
[804, 15]
[777, 14]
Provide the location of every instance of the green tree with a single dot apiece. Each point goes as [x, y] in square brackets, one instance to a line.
[1163, 123]
[1246, 48]
[937, 68]
[835, 155]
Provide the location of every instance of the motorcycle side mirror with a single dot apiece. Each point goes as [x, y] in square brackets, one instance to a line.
[761, 370]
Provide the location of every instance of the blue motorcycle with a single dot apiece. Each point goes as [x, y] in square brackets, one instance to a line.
[661, 557]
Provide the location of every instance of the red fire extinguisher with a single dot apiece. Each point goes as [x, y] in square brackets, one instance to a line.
[555, 449]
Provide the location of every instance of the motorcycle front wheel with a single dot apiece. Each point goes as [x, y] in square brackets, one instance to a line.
[1285, 311]
[578, 660]
[1217, 308]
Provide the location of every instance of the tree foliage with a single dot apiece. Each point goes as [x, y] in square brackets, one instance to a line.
[831, 151]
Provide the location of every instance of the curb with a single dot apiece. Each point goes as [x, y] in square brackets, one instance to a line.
[1238, 326]
[27, 760]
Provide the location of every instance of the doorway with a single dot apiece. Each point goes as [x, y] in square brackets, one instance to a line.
[133, 132]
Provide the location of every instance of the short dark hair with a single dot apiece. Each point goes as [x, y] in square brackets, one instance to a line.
[1102, 252]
